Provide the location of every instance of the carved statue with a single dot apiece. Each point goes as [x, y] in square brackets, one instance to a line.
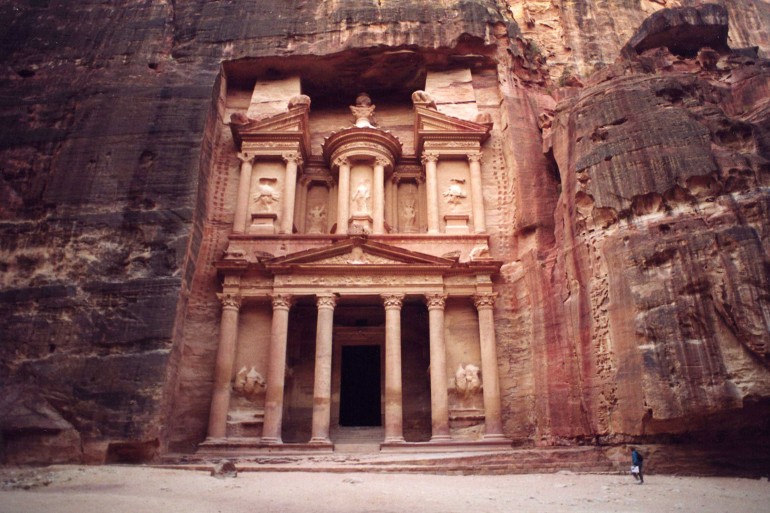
[480, 252]
[361, 198]
[408, 215]
[316, 219]
[249, 382]
[455, 193]
[266, 196]
[363, 111]
[483, 118]
[300, 99]
[467, 380]
[423, 99]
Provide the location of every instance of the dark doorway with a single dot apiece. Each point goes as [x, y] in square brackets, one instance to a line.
[360, 386]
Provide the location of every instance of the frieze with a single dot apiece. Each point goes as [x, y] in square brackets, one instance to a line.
[344, 280]
[357, 257]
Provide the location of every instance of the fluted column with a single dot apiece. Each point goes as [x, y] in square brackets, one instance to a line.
[223, 372]
[394, 416]
[244, 188]
[439, 399]
[379, 196]
[322, 389]
[293, 161]
[477, 194]
[429, 159]
[276, 369]
[491, 387]
[343, 195]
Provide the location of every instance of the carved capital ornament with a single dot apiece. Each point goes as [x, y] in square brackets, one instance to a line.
[429, 157]
[435, 301]
[484, 300]
[282, 301]
[392, 301]
[326, 301]
[230, 301]
[475, 157]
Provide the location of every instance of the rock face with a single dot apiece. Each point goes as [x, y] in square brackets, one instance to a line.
[632, 215]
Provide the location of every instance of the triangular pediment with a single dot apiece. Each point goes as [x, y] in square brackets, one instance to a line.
[355, 253]
[432, 124]
[290, 125]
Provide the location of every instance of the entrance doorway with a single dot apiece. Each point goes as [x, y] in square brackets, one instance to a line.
[360, 387]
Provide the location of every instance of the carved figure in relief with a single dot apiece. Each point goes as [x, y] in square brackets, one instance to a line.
[408, 215]
[266, 196]
[357, 256]
[467, 380]
[455, 193]
[361, 198]
[249, 382]
[300, 99]
[480, 252]
[316, 219]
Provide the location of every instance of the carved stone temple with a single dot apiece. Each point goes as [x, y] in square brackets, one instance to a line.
[356, 283]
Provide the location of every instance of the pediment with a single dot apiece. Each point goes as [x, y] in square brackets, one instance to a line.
[432, 124]
[290, 125]
[358, 253]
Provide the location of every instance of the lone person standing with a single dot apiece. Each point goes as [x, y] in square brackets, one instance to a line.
[636, 465]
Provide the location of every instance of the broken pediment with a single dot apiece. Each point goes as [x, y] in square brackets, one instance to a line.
[431, 125]
[287, 127]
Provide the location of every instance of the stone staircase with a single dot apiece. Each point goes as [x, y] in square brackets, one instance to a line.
[356, 440]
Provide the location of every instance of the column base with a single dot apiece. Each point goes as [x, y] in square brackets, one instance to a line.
[270, 440]
[320, 441]
[440, 439]
[394, 440]
[493, 437]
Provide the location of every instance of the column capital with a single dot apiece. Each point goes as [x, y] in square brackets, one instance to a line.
[230, 301]
[292, 156]
[245, 157]
[282, 301]
[429, 156]
[392, 301]
[326, 301]
[381, 161]
[475, 156]
[341, 161]
[484, 300]
[435, 301]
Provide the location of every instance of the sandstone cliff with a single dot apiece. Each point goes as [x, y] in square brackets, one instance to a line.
[633, 222]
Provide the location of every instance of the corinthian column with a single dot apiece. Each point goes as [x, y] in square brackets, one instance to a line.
[322, 389]
[477, 195]
[244, 187]
[394, 416]
[379, 196]
[429, 159]
[276, 369]
[292, 160]
[223, 372]
[491, 387]
[343, 195]
[439, 400]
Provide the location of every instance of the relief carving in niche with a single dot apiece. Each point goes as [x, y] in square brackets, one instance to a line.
[361, 198]
[455, 194]
[316, 219]
[467, 380]
[266, 196]
[407, 208]
[249, 383]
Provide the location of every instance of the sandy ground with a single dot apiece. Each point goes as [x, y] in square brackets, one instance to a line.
[64, 489]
